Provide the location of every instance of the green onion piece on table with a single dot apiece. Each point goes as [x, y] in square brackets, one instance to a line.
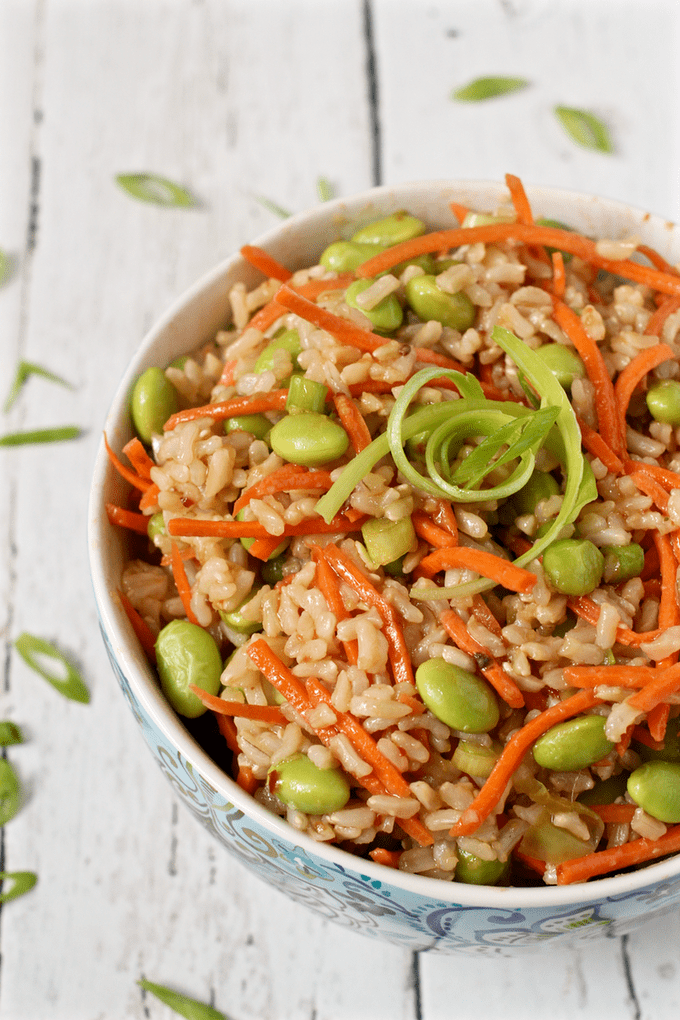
[23, 882]
[192, 1009]
[34, 436]
[10, 792]
[155, 189]
[278, 210]
[585, 128]
[26, 369]
[32, 649]
[488, 88]
[324, 189]
[5, 266]
[10, 733]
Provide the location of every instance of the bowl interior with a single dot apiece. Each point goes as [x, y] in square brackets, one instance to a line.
[194, 318]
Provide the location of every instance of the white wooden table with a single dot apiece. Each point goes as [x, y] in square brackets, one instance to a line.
[234, 99]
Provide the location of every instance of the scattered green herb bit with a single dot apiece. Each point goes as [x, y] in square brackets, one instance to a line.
[56, 435]
[273, 207]
[488, 88]
[10, 793]
[5, 266]
[71, 686]
[10, 733]
[584, 128]
[23, 883]
[324, 189]
[159, 190]
[189, 1008]
[26, 368]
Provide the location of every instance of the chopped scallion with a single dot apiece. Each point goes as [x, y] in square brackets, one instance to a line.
[488, 88]
[23, 882]
[155, 189]
[32, 649]
[26, 369]
[192, 1009]
[278, 210]
[585, 128]
[55, 435]
[10, 733]
[10, 792]
[324, 189]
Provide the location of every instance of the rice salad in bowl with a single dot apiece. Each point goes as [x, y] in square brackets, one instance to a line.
[397, 529]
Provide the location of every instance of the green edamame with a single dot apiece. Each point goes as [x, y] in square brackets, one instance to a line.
[655, 787]
[606, 791]
[563, 362]
[573, 566]
[234, 617]
[156, 527]
[308, 438]
[153, 400]
[474, 870]
[271, 571]
[346, 256]
[389, 230]
[187, 654]
[386, 541]
[547, 842]
[459, 698]
[429, 302]
[663, 401]
[385, 317]
[621, 562]
[271, 355]
[540, 486]
[302, 785]
[258, 425]
[574, 744]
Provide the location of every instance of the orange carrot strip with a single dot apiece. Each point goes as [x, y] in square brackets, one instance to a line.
[344, 331]
[266, 263]
[658, 690]
[428, 357]
[519, 199]
[623, 744]
[657, 720]
[605, 401]
[328, 586]
[313, 288]
[371, 386]
[398, 652]
[139, 458]
[145, 635]
[511, 758]
[246, 779]
[559, 277]
[589, 611]
[273, 401]
[617, 813]
[267, 316]
[459, 211]
[352, 421]
[643, 736]
[633, 374]
[227, 728]
[485, 616]
[261, 713]
[669, 613]
[502, 683]
[127, 519]
[650, 487]
[656, 259]
[609, 676]
[227, 377]
[182, 584]
[533, 863]
[149, 498]
[580, 869]
[667, 307]
[182, 527]
[279, 675]
[596, 445]
[416, 706]
[494, 567]
[669, 479]
[390, 858]
[130, 476]
[426, 529]
[284, 479]
[262, 548]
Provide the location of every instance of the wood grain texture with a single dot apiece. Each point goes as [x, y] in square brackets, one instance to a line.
[235, 99]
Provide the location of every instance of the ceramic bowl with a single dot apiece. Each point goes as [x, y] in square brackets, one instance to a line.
[408, 910]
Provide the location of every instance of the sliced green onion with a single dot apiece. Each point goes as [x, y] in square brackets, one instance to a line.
[520, 435]
[23, 882]
[387, 541]
[488, 88]
[10, 733]
[278, 210]
[5, 267]
[10, 792]
[55, 435]
[155, 189]
[24, 370]
[306, 395]
[324, 189]
[192, 1009]
[584, 128]
[71, 685]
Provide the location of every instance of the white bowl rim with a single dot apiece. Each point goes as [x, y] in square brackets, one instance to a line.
[141, 678]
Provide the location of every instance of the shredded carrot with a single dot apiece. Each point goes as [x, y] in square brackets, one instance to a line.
[502, 683]
[669, 612]
[622, 745]
[344, 331]
[428, 357]
[664, 476]
[149, 498]
[633, 374]
[533, 863]
[667, 307]
[619, 814]
[267, 316]
[130, 476]
[388, 858]
[609, 676]
[650, 487]
[313, 288]
[182, 584]
[329, 588]
[273, 401]
[262, 548]
[227, 377]
[145, 635]
[657, 720]
[182, 527]
[596, 445]
[485, 616]
[459, 211]
[261, 713]
[398, 651]
[580, 869]
[266, 264]
[245, 778]
[494, 567]
[643, 736]
[279, 675]
[512, 755]
[658, 690]
[352, 421]
[416, 706]
[605, 401]
[589, 611]
[371, 386]
[656, 259]
[559, 277]
[139, 458]
[127, 519]
[284, 479]
[227, 728]
[432, 533]
[519, 199]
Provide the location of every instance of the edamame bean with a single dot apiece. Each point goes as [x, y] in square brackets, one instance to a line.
[429, 302]
[474, 759]
[548, 842]
[153, 400]
[655, 787]
[234, 617]
[385, 317]
[257, 425]
[389, 230]
[271, 572]
[621, 562]
[302, 785]
[386, 541]
[663, 401]
[457, 697]
[573, 566]
[309, 439]
[563, 362]
[574, 744]
[270, 357]
[474, 870]
[346, 256]
[187, 654]
[671, 745]
[606, 791]
[156, 527]
[305, 395]
[540, 486]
